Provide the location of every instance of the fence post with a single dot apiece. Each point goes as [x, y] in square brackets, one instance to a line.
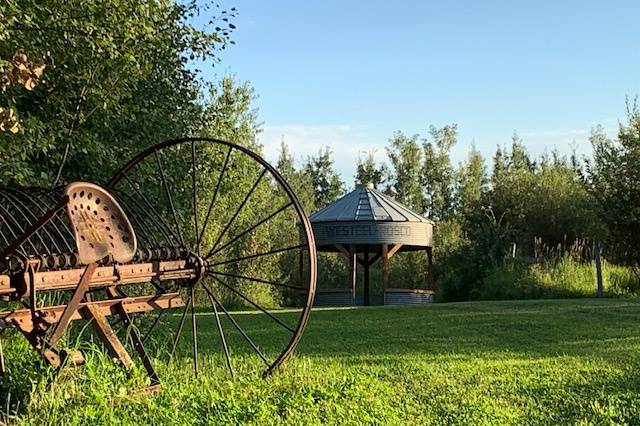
[598, 260]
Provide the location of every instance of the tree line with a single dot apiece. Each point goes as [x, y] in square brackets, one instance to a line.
[533, 208]
[85, 86]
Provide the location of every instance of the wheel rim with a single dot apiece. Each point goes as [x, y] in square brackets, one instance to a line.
[226, 209]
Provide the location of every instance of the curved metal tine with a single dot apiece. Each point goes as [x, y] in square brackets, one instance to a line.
[4, 238]
[29, 223]
[19, 227]
[242, 332]
[142, 228]
[243, 233]
[253, 256]
[168, 194]
[179, 331]
[38, 203]
[195, 200]
[155, 213]
[65, 225]
[22, 207]
[194, 335]
[133, 215]
[233, 218]
[254, 304]
[153, 220]
[223, 340]
[257, 280]
[215, 193]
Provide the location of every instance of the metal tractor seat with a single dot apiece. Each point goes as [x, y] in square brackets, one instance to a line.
[100, 226]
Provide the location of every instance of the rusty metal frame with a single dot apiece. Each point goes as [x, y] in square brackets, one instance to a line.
[39, 267]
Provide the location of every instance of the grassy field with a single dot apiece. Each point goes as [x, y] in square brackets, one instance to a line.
[530, 362]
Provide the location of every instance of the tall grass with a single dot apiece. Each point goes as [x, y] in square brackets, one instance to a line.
[555, 279]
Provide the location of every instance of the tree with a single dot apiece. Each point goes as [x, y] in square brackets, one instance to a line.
[228, 113]
[519, 159]
[368, 171]
[298, 180]
[499, 165]
[438, 176]
[117, 79]
[326, 183]
[472, 181]
[406, 162]
[614, 180]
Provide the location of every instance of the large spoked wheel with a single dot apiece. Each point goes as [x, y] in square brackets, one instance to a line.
[240, 227]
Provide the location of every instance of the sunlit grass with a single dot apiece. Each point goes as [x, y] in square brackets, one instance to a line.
[533, 362]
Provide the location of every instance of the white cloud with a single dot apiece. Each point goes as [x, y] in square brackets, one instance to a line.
[562, 139]
[346, 142]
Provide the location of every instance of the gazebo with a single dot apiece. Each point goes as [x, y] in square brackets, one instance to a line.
[367, 222]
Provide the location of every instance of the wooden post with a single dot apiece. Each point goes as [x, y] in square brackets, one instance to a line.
[429, 268]
[367, 301]
[599, 269]
[385, 270]
[353, 265]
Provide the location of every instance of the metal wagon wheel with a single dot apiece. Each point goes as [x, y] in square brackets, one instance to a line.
[235, 219]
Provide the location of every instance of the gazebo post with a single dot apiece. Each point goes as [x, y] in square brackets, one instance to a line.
[385, 270]
[353, 264]
[429, 251]
[367, 301]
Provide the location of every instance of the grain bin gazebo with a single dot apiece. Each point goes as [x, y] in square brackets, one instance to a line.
[367, 222]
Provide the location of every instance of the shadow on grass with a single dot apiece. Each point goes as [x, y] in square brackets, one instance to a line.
[391, 336]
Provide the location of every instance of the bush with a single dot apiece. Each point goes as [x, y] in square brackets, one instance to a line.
[563, 279]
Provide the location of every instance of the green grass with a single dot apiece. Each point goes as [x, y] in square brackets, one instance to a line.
[529, 362]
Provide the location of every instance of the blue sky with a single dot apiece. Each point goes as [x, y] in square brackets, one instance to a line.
[348, 74]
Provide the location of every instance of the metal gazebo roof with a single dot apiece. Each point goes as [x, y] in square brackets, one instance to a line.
[366, 217]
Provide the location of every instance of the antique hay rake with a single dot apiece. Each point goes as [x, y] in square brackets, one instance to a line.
[187, 226]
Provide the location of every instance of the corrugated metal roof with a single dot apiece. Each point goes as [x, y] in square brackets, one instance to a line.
[366, 204]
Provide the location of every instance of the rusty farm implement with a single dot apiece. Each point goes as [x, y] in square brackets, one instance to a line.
[154, 255]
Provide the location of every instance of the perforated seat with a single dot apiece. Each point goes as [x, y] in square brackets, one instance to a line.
[100, 226]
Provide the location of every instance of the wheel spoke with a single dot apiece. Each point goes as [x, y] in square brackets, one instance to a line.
[257, 280]
[242, 332]
[243, 233]
[195, 197]
[223, 340]
[215, 194]
[194, 334]
[233, 218]
[168, 193]
[253, 256]
[179, 331]
[254, 304]
[153, 325]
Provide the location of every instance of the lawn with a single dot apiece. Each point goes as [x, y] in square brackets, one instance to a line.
[529, 362]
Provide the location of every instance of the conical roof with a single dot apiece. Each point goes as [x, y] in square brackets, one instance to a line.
[366, 217]
[365, 203]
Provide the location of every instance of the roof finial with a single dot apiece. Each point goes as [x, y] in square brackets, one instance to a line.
[370, 185]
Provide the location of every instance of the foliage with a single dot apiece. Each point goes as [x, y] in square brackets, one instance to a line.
[117, 80]
[406, 161]
[472, 182]
[613, 177]
[438, 175]
[325, 181]
[367, 171]
[507, 363]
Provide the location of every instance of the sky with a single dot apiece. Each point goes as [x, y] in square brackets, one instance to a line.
[348, 74]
